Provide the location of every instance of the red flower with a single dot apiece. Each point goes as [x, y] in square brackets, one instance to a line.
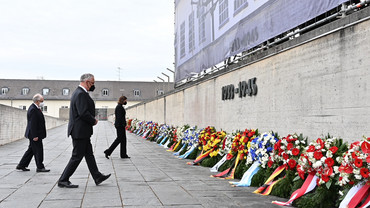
[289, 146]
[250, 134]
[317, 155]
[334, 149]
[347, 169]
[368, 159]
[319, 141]
[295, 151]
[325, 178]
[358, 163]
[354, 155]
[329, 161]
[241, 157]
[285, 156]
[229, 156]
[292, 163]
[311, 148]
[270, 163]
[365, 147]
[351, 182]
[364, 172]
[355, 144]
[277, 145]
[245, 140]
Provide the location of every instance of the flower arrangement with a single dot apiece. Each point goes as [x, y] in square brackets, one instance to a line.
[321, 158]
[260, 148]
[286, 153]
[355, 164]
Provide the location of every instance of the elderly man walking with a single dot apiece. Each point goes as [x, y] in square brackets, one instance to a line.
[80, 127]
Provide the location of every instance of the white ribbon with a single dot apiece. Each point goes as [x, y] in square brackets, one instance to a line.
[350, 195]
[215, 168]
[248, 175]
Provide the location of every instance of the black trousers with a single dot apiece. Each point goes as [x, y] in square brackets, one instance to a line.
[34, 149]
[121, 139]
[81, 148]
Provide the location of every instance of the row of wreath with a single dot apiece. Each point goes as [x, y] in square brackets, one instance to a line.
[326, 172]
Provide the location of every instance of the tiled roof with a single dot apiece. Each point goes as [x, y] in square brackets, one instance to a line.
[148, 90]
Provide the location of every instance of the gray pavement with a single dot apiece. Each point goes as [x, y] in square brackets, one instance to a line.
[152, 177]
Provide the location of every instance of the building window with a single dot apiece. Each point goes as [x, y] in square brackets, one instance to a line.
[191, 32]
[22, 107]
[160, 92]
[45, 108]
[202, 25]
[137, 93]
[182, 40]
[45, 91]
[65, 91]
[223, 12]
[25, 91]
[4, 90]
[64, 106]
[105, 92]
[239, 5]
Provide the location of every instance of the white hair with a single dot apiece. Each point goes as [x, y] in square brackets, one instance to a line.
[37, 97]
[86, 76]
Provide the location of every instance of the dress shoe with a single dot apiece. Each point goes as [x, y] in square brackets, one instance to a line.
[101, 179]
[125, 157]
[22, 168]
[42, 170]
[66, 184]
[106, 154]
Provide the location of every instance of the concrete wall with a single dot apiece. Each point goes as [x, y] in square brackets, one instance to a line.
[13, 123]
[317, 87]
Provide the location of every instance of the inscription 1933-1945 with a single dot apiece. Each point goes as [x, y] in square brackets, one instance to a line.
[244, 88]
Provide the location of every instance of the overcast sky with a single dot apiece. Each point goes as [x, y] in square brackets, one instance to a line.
[62, 39]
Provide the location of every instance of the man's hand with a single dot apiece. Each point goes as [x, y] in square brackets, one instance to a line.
[36, 139]
[96, 122]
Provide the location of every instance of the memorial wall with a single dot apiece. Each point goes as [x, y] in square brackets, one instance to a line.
[315, 84]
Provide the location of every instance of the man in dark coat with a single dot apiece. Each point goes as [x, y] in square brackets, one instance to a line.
[80, 127]
[35, 132]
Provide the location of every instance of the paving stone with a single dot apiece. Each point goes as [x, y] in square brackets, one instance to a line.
[152, 177]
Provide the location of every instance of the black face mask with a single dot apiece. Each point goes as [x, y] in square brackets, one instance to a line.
[124, 103]
[92, 88]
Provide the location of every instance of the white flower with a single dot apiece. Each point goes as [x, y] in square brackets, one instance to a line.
[358, 177]
[317, 164]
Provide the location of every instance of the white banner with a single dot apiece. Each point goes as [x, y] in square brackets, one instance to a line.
[209, 31]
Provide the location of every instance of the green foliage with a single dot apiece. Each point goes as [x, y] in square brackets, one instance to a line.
[297, 184]
[160, 140]
[170, 144]
[226, 165]
[178, 147]
[261, 176]
[184, 150]
[210, 161]
[284, 186]
[194, 154]
[241, 169]
[319, 198]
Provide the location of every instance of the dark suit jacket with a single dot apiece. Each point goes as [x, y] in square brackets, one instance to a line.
[35, 123]
[81, 115]
[120, 114]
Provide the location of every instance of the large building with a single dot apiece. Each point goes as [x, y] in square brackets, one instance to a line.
[57, 93]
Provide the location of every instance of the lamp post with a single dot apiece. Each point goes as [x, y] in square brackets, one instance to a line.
[168, 82]
[173, 74]
[162, 81]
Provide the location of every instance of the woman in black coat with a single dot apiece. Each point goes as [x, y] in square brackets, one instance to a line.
[120, 125]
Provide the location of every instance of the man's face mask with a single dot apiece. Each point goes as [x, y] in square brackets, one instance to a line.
[92, 88]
